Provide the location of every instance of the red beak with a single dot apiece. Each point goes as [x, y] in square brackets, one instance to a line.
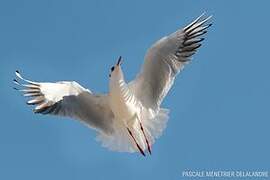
[119, 62]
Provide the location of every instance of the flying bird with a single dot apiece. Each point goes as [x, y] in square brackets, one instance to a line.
[129, 118]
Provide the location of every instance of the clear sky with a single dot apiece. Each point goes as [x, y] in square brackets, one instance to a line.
[219, 104]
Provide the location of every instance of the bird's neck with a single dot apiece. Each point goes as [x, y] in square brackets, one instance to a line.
[118, 86]
[118, 89]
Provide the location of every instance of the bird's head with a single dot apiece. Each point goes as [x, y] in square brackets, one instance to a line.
[116, 71]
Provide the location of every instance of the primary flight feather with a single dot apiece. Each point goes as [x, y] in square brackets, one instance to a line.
[129, 118]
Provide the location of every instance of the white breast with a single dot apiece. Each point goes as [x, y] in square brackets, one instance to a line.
[123, 103]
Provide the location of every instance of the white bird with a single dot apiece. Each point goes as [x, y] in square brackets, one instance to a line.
[129, 118]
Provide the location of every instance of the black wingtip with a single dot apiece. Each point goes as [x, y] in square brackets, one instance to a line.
[17, 71]
[16, 89]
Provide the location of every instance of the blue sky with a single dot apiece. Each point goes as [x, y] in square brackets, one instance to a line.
[219, 104]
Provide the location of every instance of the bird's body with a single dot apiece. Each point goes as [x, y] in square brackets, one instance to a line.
[127, 109]
[129, 118]
[123, 103]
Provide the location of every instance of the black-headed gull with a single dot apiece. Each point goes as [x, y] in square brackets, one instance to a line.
[129, 118]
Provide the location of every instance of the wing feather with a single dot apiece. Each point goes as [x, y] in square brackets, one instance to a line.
[68, 99]
[165, 59]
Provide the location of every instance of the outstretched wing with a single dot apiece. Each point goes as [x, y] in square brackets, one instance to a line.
[164, 60]
[68, 99]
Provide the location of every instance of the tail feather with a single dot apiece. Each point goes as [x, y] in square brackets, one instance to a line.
[120, 140]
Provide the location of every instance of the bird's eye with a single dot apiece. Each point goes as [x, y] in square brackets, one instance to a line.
[112, 68]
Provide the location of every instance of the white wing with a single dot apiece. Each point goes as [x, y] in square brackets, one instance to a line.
[164, 60]
[69, 99]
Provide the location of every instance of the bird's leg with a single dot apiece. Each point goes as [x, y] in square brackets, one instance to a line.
[129, 123]
[138, 146]
[142, 129]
